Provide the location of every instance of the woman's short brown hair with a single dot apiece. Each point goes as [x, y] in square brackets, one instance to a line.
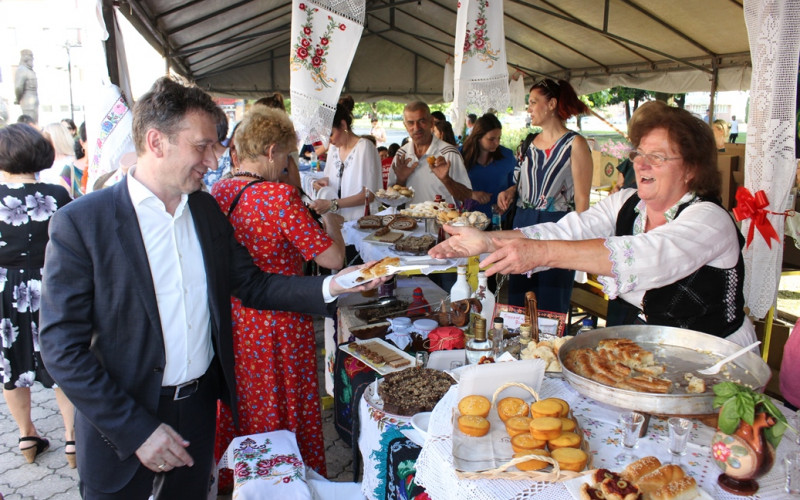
[24, 150]
[689, 135]
[261, 128]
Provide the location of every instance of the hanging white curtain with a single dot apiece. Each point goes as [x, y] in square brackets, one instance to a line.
[516, 89]
[773, 27]
[447, 84]
[325, 35]
[481, 74]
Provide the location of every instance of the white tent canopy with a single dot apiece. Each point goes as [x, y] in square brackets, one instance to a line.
[241, 48]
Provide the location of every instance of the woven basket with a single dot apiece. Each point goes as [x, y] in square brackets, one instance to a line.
[502, 472]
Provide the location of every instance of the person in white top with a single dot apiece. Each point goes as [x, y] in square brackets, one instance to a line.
[136, 329]
[667, 252]
[734, 130]
[352, 171]
[411, 167]
[378, 132]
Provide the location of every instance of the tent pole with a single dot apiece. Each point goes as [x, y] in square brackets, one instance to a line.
[714, 80]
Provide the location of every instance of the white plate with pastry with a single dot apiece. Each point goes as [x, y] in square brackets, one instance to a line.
[384, 267]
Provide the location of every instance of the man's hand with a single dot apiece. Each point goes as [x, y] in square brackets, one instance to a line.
[164, 450]
[506, 198]
[515, 256]
[464, 241]
[481, 197]
[441, 168]
[336, 290]
[403, 168]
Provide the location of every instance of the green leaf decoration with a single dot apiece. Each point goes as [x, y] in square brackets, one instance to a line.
[725, 390]
[728, 439]
[722, 465]
[729, 417]
[739, 451]
[734, 462]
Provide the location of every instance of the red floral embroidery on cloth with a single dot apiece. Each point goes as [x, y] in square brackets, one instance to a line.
[476, 41]
[250, 457]
[275, 356]
[315, 64]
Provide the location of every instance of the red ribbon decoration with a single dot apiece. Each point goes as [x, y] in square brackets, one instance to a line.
[753, 207]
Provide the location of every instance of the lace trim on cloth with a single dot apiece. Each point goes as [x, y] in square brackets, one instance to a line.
[345, 8]
[312, 118]
[620, 281]
[773, 27]
[486, 93]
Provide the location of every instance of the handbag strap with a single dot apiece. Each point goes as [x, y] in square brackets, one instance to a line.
[239, 195]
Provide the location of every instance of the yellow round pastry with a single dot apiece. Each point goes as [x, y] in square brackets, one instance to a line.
[512, 407]
[518, 425]
[546, 408]
[568, 425]
[473, 425]
[522, 442]
[564, 406]
[474, 405]
[572, 459]
[565, 440]
[545, 428]
[529, 465]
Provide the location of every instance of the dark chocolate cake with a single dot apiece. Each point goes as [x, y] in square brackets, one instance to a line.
[413, 390]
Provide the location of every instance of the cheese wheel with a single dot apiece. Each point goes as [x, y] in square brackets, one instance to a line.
[565, 440]
[522, 442]
[512, 407]
[518, 425]
[572, 459]
[474, 405]
[532, 464]
[546, 408]
[545, 428]
[473, 425]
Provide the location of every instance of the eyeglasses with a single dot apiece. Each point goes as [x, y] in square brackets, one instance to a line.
[550, 85]
[653, 159]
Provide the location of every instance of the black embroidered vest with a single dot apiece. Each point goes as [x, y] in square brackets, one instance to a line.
[709, 300]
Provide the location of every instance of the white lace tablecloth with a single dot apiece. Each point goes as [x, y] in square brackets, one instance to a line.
[599, 422]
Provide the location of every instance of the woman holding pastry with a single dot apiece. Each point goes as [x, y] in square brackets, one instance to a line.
[353, 169]
[667, 253]
[553, 179]
[274, 351]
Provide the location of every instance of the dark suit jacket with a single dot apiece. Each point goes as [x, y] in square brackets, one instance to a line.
[100, 333]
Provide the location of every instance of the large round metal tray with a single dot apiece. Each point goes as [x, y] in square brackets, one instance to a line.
[681, 351]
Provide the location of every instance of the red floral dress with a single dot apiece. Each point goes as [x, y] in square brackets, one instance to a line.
[275, 355]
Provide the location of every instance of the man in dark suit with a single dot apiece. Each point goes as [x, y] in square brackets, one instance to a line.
[135, 316]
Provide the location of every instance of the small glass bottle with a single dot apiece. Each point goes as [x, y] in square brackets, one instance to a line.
[586, 326]
[497, 334]
[478, 347]
[524, 334]
[461, 289]
[497, 218]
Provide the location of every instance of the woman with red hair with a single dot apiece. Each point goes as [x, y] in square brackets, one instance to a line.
[553, 179]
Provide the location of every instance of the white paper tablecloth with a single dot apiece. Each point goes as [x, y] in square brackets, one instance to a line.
[436, 474]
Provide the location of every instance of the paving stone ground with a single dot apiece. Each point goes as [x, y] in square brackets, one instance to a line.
[50, 478]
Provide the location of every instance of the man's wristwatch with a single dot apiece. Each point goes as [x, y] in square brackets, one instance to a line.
[334, 206]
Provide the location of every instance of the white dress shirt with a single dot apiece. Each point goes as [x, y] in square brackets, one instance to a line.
[179, 278]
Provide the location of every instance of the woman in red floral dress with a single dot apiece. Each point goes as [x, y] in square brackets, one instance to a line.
[276, 370]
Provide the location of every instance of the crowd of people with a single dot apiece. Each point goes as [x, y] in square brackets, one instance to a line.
[101, 292]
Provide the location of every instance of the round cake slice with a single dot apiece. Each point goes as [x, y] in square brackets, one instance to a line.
[413, 390]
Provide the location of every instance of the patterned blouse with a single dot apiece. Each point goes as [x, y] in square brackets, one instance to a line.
[544, 177]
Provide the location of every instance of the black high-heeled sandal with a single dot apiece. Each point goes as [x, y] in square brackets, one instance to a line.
[32, 452]
[71, 460]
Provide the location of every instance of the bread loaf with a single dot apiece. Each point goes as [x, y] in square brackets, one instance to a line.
[682, 489]
[659, 478]
[639, 468]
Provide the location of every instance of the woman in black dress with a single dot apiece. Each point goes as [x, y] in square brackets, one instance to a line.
[25, 210]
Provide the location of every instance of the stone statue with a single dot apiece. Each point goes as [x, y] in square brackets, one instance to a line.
[26, 85]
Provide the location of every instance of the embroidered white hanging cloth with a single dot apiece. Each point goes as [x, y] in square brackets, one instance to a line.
[773, 27]
[325, 35]
[516, 90]
[447, 86]
[481, 74]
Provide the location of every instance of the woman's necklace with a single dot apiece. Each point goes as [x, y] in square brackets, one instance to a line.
[244, 173]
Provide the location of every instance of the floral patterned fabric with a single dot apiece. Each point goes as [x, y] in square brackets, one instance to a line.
[276, 376]
[25, 212]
